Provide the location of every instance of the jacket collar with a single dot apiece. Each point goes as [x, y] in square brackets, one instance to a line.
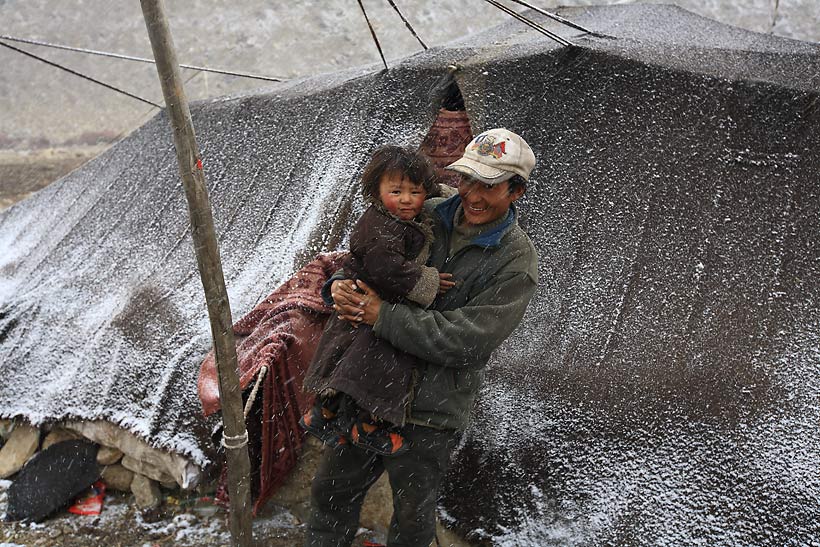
[446, 210]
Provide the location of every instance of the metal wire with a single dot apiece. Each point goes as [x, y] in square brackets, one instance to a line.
[83, 76]
[144, 117]
[532, 24]
[373, 33]
[552, 16]
[138, 59]
[775, 9]
[407, 24]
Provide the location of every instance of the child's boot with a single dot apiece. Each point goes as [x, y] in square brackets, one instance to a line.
[381, 440]
[318, 421]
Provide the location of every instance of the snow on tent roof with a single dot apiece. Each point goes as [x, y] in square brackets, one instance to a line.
[661, 389]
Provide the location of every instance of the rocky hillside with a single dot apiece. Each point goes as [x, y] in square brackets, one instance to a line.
[51, 121]
[44, 107]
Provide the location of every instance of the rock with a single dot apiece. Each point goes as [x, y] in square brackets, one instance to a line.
[152, 515]
[21, 445]
[448, 538]
[184, 472]
[58, 434]
[146, 492]
[205, 509]
[144, 468]
[377, 509]
[300, 512]
[5, 428]
[296, 488]
[117, 477]
[108, 455]
[295, 492]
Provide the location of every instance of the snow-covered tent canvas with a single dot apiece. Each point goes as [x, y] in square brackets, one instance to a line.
[662, 389]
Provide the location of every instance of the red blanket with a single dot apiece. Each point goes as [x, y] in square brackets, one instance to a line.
[280, 333]
[445, 142]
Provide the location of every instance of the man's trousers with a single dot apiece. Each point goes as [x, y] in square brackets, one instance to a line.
[346, 472]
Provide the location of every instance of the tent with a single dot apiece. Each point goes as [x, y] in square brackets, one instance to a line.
[661, 389]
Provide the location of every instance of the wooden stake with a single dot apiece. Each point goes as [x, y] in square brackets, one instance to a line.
[210, 269]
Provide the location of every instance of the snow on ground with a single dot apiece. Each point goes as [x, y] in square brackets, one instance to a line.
[121, 524]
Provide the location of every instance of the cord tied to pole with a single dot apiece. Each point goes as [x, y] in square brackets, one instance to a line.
[234, 442]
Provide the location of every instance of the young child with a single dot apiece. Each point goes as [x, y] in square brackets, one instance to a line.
[363, 383]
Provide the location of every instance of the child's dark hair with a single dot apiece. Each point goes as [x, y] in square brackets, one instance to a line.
[396, 159]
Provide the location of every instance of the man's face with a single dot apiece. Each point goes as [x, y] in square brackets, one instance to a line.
[484, 203]
[401, 196]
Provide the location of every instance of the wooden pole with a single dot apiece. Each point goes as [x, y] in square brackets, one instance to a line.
[210, 269]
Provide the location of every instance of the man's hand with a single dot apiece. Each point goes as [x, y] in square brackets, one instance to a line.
[445, 282]
[355, 302]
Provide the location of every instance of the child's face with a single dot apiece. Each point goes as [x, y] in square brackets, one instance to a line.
[400, 195]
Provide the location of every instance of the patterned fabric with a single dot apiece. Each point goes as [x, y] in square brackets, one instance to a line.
[281, 333]
[445, 142]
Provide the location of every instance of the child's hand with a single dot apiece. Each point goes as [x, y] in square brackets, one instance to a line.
[444, 283]
[355, 302]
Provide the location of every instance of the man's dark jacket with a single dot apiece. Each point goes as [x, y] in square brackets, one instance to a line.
[496, 275]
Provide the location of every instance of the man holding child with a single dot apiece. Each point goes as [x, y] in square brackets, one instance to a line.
[495, 269]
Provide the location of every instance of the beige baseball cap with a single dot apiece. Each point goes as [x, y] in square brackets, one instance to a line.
[495, 156]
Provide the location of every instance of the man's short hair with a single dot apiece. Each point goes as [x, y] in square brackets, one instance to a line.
[517, 181]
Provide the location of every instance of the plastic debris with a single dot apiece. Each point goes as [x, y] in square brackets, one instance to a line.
[92, 502]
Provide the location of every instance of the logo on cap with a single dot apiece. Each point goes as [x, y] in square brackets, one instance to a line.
[484, 145]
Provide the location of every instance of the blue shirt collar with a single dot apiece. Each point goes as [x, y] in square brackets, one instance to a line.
[446, 210]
